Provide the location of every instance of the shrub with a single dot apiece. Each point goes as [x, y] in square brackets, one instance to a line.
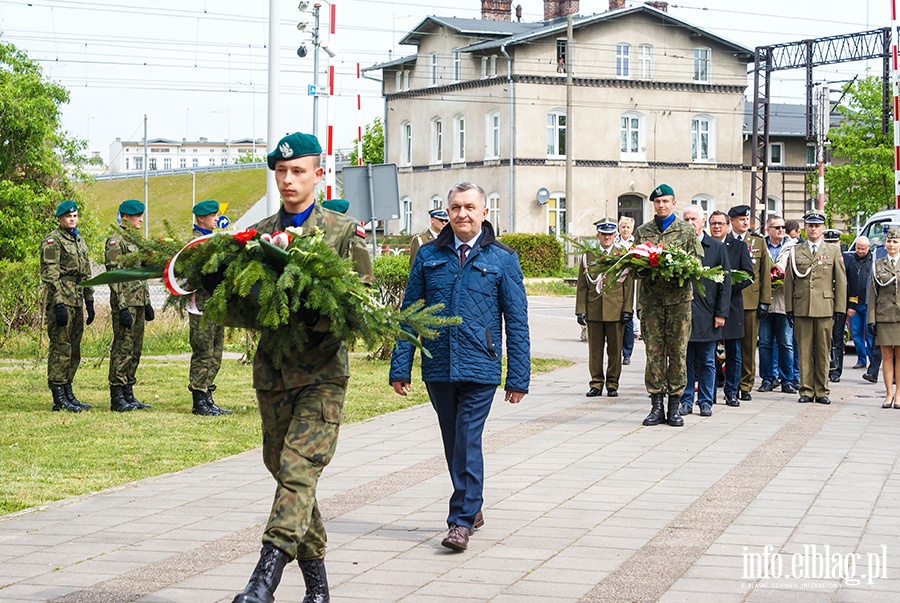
[391, 273]
[539, 254]
[20, 300]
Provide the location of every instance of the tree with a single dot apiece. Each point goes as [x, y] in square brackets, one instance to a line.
[373, 144]
[861, 180]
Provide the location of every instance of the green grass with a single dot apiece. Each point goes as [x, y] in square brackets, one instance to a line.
[548, 286]
[170, 196]
[47, 456]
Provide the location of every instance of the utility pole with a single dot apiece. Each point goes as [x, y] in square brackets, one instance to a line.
[570, 43]
[146, 195]
[315, 43]
[895, 89]
[824, 106]
[273, 200]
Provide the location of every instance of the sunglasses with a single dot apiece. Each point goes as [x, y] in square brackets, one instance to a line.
[777, 227]
[717, 223]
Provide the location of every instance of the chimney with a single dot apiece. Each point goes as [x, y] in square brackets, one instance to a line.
[560, 8]
[616, 4]
[662, 6]
[496, 10]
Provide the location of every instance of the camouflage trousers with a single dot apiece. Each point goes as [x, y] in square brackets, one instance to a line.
[127, 343]
[207, 342]
[65, 345]
[300, 431]
[665, 331]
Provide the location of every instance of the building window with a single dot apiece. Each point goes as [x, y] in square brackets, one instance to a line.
[406, 225]
[702, 138]
[195, 162]
[151, 165]
[212, 161]
[631, 137]
[138, 163]
[493, 203]
[406, 143]
[223, 160]
[436, 202]
[459, 138]
[493, 69]
[492, 136]
[773, 206]
[556, 214]
[484, 67]
[556, 133]
[126, 164]
[437, 140]
[398, 80]
[701, 65]
[562, 56]
[704, 202]
[645, 59]
[811, 158]
[167, 163]
[457, 66]
[623, 60]
[434, 69]
[776, 153]
[405, 79]
[182, 163]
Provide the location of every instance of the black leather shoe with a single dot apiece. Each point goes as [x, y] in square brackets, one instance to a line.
[805, 400]
[745, 396]
[788, 388]
[705, 410]
[870, 378]
[265, 577]
[626, 360]
[315, 579]
[672, 417]
[685, 409]
[859, 365]
[657, 413]
[594, 392]
[766, 387]
[731, 400]
[612, 393]
[834, 378]
[823, 400]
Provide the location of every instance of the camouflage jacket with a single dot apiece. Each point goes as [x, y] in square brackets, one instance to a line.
[64, 264]
[678, 234]
[128, 294]
[326, 357]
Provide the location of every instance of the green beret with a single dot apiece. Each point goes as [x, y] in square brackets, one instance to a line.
[339, 205]
[131, 207]
[663, 190]
[204, 208]
[293, 146]
[66, 207]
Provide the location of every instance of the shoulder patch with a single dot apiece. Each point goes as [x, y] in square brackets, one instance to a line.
[360, 231]
[49, 241]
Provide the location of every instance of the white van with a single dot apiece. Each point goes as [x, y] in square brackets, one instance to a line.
[875, 227]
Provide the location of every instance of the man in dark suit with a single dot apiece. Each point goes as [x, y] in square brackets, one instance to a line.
[733, 332]
[708, 314]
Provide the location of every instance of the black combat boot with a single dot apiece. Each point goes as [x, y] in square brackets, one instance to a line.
[316, 582]
[674, 419]
[201, 404]
[265, 578]
[212, 402]
[657, 414]
[71, 396]
[117, 402]
[60, 400]
[128, 392]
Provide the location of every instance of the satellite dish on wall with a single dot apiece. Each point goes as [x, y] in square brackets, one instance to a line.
[543, 195]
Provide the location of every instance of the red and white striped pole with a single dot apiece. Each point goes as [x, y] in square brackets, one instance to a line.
[329, 111]
[359, 144]
[896, 93]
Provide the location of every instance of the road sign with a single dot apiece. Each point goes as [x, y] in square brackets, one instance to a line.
[223, 222]
[314, 90]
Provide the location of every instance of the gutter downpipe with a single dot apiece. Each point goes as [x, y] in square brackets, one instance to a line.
[512, 140]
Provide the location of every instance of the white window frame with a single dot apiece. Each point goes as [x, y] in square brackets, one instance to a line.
[554, 129]
[459, 138]
[398, 80]
[702, 60]
[634, 124]
[457, 66]
[167, 163]
[556, 214]
[772, 159]
[406, 225]
[704, 202]
[774, 205]
[406, 143]
[484, 67]
[697, 133]
[405, 79]
[182, 163]
[645, 60]
[437, 140]
[437, 202]
[623, 61]
[815, 158]
[492, 135]
[434, 68]
[493, 203]
[195, 162]
[493, 69]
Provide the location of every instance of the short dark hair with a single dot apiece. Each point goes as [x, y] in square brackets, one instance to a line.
[719, 213]
[791, 225]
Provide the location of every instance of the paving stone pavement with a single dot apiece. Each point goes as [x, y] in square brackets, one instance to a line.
[771, 501]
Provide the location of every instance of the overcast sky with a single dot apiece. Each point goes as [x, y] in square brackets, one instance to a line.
[197, 68]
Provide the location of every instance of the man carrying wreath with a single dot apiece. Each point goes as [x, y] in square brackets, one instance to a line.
[665, 311]
[301, 401]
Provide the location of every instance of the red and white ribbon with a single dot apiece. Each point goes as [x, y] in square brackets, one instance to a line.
[169, 272]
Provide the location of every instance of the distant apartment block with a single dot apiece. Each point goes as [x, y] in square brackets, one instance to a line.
[164, 154]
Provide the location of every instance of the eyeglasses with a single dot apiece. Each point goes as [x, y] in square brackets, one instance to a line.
[717, 223]
[777, 227]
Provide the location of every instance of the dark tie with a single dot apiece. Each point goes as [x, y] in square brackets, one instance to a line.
[463, 250]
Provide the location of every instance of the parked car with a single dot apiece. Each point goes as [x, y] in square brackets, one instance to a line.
[876, 227]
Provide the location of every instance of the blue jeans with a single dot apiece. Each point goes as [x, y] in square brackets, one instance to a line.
[796, 359]
[732, 366]
[776, 335]
[865, 343]
[628, 339]
[462, 409]
[701, 367]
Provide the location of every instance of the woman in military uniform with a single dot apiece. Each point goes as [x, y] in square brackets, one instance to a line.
[884, 319]
[64, 264]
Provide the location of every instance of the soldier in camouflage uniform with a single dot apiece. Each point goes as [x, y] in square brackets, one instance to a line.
[665, 309]
[207, 339]
[301, 403]
[64, 264]
[130, 307]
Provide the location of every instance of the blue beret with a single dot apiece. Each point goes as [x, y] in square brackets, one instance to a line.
[606, 226]
[339, 205]
[663, 190]
[814, 217]
[293, 146]
[131, 207]
[66, 207]
[205, 208]
[440, 214]
[739, 211]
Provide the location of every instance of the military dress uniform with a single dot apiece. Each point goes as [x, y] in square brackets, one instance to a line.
[665, 309]
[885, 300]
[64, 264]
[605, 315]
[429, 235]
[815, 289]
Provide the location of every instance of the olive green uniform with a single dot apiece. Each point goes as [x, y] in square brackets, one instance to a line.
[64, 264]
[759, 292]
[604, 321]
[125, 355]
[207, 344]
[815, 287]
[666, 312]
[301, 404]
[416, 242]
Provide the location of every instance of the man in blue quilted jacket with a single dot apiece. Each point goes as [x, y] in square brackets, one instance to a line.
[479, 279]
